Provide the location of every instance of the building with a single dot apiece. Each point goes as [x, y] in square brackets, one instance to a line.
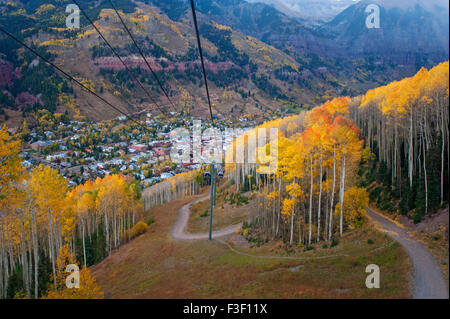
[158, 152]
[40, 145]
[55, 157]
[166, 175]
[139, 148]
[49, 134]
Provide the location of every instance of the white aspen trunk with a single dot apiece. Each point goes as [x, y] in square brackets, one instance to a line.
[279, 207]
[425, 176]
[128, 225]
[3, 265]
[310, 199]
[134, 213]
[326, 208]
[30, 249]
[341, 199]
[273, 209]
[114, 220]
[320, 200]
[52, 250]
[108, 250]
[24, 257]
[411, 151]
[394, 171]
[330, 226]
[292, 217]
[84, 244]
[10, 251]
[36, 255]
[442, 158]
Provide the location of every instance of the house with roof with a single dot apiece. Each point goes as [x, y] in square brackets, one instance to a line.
[40, 145]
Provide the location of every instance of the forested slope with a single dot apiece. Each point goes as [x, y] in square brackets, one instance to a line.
[395, 138]
[406, 124]
[259, 61]
[390, 146]
[44, 226]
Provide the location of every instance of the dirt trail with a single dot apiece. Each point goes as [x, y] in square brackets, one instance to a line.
[179, 232]
[179, 228]
[428, 280]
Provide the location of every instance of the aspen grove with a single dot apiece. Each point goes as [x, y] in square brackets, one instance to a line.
[40, 218]
[317, 154]
[406, 124]
[316, 193]
[331, 161]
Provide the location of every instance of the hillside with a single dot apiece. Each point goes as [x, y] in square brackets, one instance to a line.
[411, 32]
[260, 61]
[306, 227]
[158, 266]
[252, 74]
[345, 36]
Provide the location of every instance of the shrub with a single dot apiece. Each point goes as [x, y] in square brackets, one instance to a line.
[370, 241]
[386, 204]
[375, 193]
[437, 237]
[417, 217]
[360, 172]
[325, 246]
[238, 199]
[334, 242]
[367, 155]
[150, 220]
[140, 228]
[307, 248]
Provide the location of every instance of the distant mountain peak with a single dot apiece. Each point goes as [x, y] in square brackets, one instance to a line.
[311, 10]
[407, 27]
[408, 4]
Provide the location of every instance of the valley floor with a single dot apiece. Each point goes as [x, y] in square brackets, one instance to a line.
[156, 265]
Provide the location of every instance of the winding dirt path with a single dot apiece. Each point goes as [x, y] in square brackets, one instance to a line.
[179, 228]
[428, 280]
[179, 232]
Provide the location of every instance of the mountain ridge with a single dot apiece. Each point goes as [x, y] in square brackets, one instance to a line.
[259, 60]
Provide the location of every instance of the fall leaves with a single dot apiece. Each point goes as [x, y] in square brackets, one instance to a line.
[406, 123]
[11, 171]
[40, 219]
[328, 138]
[314, 149]
[88, 289]
[355, 202]
[178, 186]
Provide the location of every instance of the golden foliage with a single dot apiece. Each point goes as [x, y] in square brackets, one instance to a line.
[88, 289]
[355, 202]
[139, 229]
